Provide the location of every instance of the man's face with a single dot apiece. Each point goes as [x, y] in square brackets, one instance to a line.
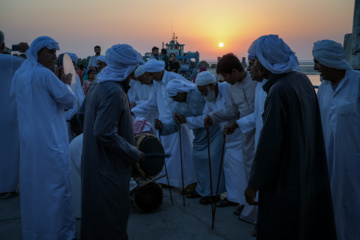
[204, 90]
[251, 63]
[172, 57]
[254, 71]
[326, 73]
[258, 71]
[230, 77]
[92, 75]
[47, 57]
[155, 52]
[97, 51]
[157, 76]
[180, 97]
[100, 65]
[145, 79]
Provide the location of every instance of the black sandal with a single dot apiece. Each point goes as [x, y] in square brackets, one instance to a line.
[225, 203]
[239, 210]
[193, 194]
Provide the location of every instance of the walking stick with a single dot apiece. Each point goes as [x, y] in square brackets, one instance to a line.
[167, 176]
[218, 183]
[182, 169]
[211, 185]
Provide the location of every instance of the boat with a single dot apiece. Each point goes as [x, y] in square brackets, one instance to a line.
[189, 61]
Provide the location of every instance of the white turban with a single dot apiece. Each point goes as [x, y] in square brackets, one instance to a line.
[73, 57]
[140, 71]
[153, 65]
[179, 86]
[27, 69]
[274, 54]
[122, 60]
[204, 78]
[102, 58]
[330, 54]
[38, 44]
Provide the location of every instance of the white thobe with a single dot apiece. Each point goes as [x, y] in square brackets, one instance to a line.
[140, 93]
[9, 137]
[80, 96]
[160, 102]
[45, 179]
[340, 116]
[233, 165]
[241, 103]
[249, 123]
[254, 120]
[76, 146]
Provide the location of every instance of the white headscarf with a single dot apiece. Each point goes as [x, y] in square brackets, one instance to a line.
[330, 54]
[205, 78]
[26, 70]
[154, 65]
[179, 86]
[122, 60]
[73, 57]
[102, 58]
[140, 71]
[274, 54]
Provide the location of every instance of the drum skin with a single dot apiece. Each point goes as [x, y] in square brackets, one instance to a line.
[150, 167]
[148, 198]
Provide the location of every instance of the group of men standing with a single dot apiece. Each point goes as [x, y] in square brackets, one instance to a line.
[293, 153]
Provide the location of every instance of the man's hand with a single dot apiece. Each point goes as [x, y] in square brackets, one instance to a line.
[208, 121]
[179, 118]
[250, 195]
[133, 104]
[23, 47]
[142, 157]
[230, 128]
[158, 124]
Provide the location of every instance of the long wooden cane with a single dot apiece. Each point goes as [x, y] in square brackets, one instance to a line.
[218, 183]
[182, 169]
[211, 185]
[167, 176]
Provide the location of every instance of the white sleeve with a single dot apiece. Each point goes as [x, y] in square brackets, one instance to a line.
[247, 123]
[146, 107]
[61, 92]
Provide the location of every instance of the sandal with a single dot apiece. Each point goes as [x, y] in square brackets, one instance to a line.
[239, 210]
[225, 203]
[193, 194]
[188, 189]
[208, 200]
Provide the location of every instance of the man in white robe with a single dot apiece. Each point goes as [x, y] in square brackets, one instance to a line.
[241, 101]
[191, 104]
[216, 96]
[160, 102]
[45, 180]
[140, 92]
[101, 62]
[339, 100]
[9, 137]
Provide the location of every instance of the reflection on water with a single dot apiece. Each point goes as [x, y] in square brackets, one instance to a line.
[315, 79]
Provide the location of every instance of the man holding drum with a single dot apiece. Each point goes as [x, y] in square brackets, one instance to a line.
[108, 148]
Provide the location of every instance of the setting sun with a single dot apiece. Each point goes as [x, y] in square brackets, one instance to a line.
[221, 44]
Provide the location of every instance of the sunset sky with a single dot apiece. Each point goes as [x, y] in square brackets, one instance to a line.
[80, 25]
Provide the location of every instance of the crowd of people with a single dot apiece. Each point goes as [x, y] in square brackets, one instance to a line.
[291, 156]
